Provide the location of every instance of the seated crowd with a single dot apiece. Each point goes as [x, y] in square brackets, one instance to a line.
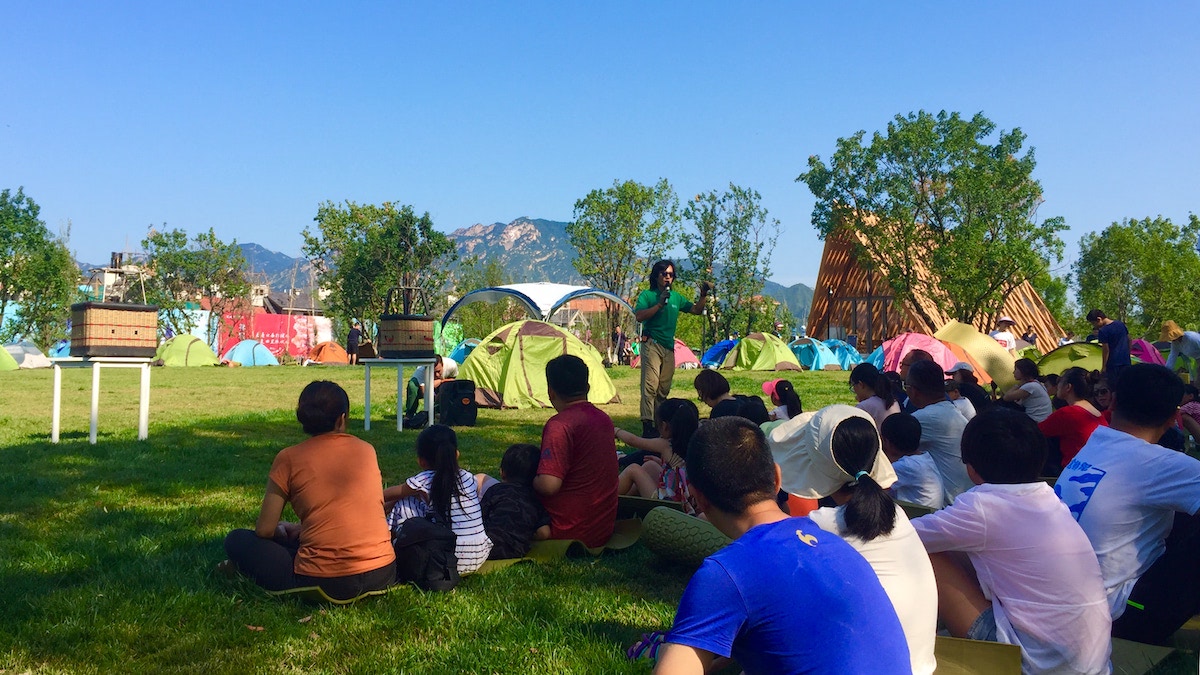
[826, 572]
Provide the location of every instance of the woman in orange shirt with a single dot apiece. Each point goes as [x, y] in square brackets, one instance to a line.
[333, 482]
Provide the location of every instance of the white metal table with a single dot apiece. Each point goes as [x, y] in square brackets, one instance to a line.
[96, 363]
[398, 364]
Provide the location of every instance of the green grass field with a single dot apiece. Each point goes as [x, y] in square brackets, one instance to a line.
[107, 551]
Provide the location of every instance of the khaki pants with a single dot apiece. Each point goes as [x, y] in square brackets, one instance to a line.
[658, 368]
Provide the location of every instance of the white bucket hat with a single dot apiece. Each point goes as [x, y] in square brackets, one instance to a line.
[803, 448]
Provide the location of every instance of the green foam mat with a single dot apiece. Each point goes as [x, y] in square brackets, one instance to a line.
[680, 538]
[629, 506]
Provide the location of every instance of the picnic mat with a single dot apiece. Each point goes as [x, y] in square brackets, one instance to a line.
[1135, 658]
[957, 656]
[629, 506]
[626, 533]
[680, 538]
[317, 595]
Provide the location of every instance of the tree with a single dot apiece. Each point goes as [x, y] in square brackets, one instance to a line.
[1141, 272]
[730, 243]
[37, 273]
[935, 196]
[362, 251]
[618, 232]
[180, 274]
[479, 319]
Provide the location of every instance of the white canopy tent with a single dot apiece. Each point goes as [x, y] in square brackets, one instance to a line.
[541, 299]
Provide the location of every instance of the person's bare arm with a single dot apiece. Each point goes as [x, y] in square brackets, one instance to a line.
[656, 445]
[541, 533]
[547, 485]
[1192, 426]
[1104, 357]
[1016, 394]
[677, 659]
[398, 492]
[268, 515]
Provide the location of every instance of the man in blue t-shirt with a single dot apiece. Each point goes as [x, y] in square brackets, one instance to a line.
[785, 596]
[1114, 339]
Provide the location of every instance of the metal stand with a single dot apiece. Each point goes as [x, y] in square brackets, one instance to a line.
[96, 363]
[398, 364]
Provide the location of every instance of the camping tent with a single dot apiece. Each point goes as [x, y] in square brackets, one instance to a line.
[329, 353]
[814, 354]
[185, 350]
[715, 354]
[509, 366]
[250, 353]
[7, 362]
[760, 351]
[847, 355]
[27, 355]
[464, 349]
[875, 358]
[541, 300]
[61, 349]
[1086, 355]
[987, 352]
[981, 373]
[895, 349]
[685, 358]
[1146, 352]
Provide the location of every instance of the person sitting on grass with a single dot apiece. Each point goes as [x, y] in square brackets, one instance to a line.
[785, 596]
[512, 515]
[1029, 576]
[713, 390]
[941, 425]
[873, 391]
[662, 475]
[445, 492]
[1139, 503]
[333, 483]
[414, 392]
[784, 398]
[847, 465]
[1029, 392]
[917, 478]
[1072, 425]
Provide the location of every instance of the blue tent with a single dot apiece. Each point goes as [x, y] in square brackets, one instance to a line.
[715, 356]
[250, 353]
[876, 358]
[846, 355]
[463, 350]
[61, 349]
[813, 354]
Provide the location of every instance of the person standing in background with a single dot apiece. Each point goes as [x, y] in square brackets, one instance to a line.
[1114, 339]
[352, 341]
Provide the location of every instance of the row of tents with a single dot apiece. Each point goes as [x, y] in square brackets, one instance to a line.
[181, 350]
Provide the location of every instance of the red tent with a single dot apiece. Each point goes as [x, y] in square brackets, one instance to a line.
[683, 356]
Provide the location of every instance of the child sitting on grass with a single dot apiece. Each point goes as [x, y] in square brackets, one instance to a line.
[662, 475]
[445, 492]
[1036, 582]
[784, 398]
[512, 514]
[917, 477]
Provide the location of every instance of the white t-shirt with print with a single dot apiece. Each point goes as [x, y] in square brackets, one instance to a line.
[1005, 338]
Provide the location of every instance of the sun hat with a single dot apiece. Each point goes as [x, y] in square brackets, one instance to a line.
[1171, 331]
[1005, 319]
[768, 387]
[803, 448]
[961, 365]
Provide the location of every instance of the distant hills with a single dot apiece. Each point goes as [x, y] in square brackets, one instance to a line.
[529, 249]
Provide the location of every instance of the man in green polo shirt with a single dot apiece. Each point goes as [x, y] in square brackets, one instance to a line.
[658, 310]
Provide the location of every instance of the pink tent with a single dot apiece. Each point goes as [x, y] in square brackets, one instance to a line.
[683, 356]
[895, 349]
[1146, 352]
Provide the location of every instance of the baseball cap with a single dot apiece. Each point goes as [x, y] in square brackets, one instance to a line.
[768, 387]
[961, 365]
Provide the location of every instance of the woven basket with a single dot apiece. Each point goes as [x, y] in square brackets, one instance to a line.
[111, 329]
[402, 334]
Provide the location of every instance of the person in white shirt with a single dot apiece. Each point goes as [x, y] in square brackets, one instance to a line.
[941, 426]
[843, 460]
[1183, 343]
[1029, 392]
[1035, 581]
[917, 478]
[1138, 503]
[963, 404]
[1003, 333]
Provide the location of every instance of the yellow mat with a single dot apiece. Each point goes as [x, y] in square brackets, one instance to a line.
[957, 656]
[317, 595]
[626, 533]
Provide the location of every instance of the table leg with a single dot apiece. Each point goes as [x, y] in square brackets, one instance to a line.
[144, 404]
[429, 392]
[400, 397]
[57, 406]
[95, 402]
[367, 398]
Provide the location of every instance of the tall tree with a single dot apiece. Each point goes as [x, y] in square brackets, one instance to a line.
[180, 274]
[619, 231]
[37, 273]
[1142, 272]
[730, 242]
[943, 195]
[362, 251]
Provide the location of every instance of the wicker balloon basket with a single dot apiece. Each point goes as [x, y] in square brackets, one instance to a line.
[113, 329]
[404, 335]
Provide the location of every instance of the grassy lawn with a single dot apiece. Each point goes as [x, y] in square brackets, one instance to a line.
[107, 551]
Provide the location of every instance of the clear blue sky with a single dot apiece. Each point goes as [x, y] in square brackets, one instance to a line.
[244, 116]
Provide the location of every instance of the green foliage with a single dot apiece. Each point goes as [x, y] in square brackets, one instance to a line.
[934, 192]
[362, 251]
[479, 319]
[1142, 272]
[730, 242]
[181, 273]
[36, 271]
[1053, 290]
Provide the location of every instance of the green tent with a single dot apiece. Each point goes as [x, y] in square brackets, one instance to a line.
[7, 362]
[1086, 355]
[761, 351]
[185, 350]
[509, 366]
[447, 337]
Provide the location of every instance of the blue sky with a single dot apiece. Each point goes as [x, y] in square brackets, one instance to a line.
[244, 116]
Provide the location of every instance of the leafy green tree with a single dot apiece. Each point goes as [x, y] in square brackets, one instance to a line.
[180, 274]
[618, 232]
[944, 195]
[1141, 272]
[1054, 291]
[362, 251]
[37, 273]
[730, 242]
[479, 319]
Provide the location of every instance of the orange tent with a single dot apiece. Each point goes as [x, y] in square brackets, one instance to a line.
[330, 353]
[980, 373]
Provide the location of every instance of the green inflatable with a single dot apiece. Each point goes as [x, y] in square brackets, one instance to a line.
[185, 350]
[509, 366]
[761, 351]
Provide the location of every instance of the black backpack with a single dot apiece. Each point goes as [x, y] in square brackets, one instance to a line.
[456, 406]
[425, 555]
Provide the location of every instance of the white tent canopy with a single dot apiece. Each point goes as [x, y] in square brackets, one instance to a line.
[27, 355]
[541, 300]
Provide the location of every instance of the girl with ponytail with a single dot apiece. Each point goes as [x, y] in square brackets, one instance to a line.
[444, 493]
[873, 391]
[662, 475]
[784, 398]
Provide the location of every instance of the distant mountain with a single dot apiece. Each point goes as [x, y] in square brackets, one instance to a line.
[798, 298]
[281, 271]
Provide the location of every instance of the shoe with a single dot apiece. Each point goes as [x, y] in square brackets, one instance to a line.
[227, 569]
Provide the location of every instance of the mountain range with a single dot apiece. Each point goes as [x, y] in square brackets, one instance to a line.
[529, 250]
